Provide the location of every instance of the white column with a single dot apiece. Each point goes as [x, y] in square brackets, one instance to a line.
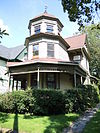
[74, 78]
[38, 79]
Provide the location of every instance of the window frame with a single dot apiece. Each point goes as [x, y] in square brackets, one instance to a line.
[34, 51]
[52, 82]
[77, 59]
[49, 50]
[49, 28]
[37, 29]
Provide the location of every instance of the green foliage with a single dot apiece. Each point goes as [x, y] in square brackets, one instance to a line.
[50, 102]
[93, 37]
[94, 125]
[80, 99]
[36, 124]
[82, 11]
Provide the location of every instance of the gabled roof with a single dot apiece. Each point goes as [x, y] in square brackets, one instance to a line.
[45, 15]
[76, 42]
[10, 53]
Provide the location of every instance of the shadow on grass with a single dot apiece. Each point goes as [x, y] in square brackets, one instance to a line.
[28, 116]
[3, 117]
[15, 124]
[94, 125]
[58, 123]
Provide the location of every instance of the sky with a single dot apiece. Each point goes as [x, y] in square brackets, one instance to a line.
[15, 16]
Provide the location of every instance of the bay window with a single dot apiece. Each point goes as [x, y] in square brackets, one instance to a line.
[35, 49]
[50, 50]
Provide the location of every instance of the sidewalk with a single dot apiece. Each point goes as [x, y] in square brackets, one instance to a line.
[79, 125]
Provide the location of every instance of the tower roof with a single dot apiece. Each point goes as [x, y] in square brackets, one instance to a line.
[45, 15]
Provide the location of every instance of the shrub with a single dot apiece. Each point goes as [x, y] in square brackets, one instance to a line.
[49, 101]
[80, 99]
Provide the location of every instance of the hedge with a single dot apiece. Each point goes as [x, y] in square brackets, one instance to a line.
[50, 102]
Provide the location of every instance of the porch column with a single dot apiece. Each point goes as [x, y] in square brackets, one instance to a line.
[38, 78]
[9, 78]
[29, 80]
[11, 83]
[81, 80]
[74, 78]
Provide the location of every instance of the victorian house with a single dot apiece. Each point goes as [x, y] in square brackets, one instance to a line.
[52, 61]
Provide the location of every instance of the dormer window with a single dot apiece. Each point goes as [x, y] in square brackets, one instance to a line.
[50, 50]
[37, 29]
[35, 49]
[77, 58]
[50, 28]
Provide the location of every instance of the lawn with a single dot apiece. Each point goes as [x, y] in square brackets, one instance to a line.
[94, 125]
[36, 124]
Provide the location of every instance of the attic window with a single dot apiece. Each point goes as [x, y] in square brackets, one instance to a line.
[49, 28]
[77, 58]
[37, 29]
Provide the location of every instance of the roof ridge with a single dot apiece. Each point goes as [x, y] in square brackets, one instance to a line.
[75, 35]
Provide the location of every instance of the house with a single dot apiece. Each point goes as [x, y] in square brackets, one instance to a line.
[9, 54]
[52, 61]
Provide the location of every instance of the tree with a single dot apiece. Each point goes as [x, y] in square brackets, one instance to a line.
[2, 32]
[93, 36]
[82, 11]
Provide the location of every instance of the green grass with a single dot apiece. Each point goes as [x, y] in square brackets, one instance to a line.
[94, 125]
[36, 124]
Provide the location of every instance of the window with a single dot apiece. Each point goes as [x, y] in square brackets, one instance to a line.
[50, 50]
[77, 58]
[34, 80]
[49, 28]
[37, 29]
[35, 49]
[51, 82]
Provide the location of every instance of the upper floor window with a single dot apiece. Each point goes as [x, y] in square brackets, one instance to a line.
[50, 50]
[37, 29]
[77, 58]
[35, 49]
[49, 28]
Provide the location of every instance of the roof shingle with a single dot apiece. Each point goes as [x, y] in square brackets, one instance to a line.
[10, 53]
[76, 42]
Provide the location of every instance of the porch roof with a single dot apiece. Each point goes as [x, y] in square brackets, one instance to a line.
[40, 60]
[45, 65]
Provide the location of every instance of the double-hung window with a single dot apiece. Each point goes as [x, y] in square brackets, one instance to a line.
[50, 50]
[50, 28]
[37, 29]
[77, 58]
[35, 49]
[51, 81]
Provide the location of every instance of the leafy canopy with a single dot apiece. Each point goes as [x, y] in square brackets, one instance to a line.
[93, 36]
[82, 11]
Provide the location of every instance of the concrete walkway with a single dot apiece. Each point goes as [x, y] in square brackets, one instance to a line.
[79, 125]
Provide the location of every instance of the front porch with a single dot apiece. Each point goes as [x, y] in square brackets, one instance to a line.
[46, 75]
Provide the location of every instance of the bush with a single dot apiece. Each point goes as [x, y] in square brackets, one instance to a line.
[80, 99]
[50, 102]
